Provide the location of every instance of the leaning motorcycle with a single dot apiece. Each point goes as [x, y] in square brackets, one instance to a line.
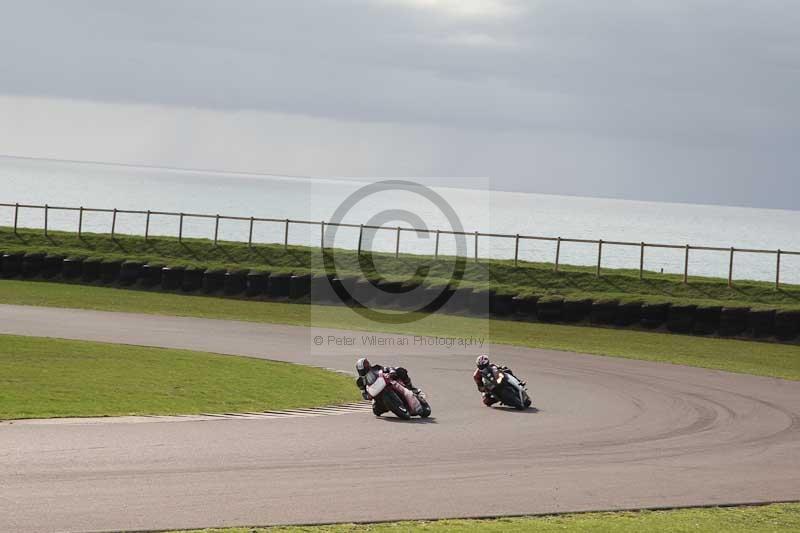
[404, 403]
[507, 388]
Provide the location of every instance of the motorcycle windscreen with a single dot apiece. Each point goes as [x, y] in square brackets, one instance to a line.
[511, 380]
[377, 386]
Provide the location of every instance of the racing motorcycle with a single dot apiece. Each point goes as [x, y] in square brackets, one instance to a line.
[504, 386]
[404, 403]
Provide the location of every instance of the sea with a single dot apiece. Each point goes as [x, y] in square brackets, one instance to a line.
[389, 205]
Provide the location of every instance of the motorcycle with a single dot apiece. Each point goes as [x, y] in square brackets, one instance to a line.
[404, 403]
[504, 386]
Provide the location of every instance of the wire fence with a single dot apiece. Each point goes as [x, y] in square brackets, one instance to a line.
[286, 223]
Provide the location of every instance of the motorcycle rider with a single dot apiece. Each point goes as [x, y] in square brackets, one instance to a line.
[486, 367]
[363, 367]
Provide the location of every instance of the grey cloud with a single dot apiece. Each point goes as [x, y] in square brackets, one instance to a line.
[649, 96]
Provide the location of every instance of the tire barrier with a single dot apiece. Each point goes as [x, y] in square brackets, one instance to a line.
[706, 319]
[91, 269]
[387, 294]
[549, 308]
[604, 312]
[130, 272]
[364, 292]
[151, 274]
[72, 267]
[110, 270]
[52, 266]
[279, 285]
[628, 314]
[12, 264]
[214, 280]
[479, 302]
[32, 264]
[299, 286]
[436, 298]
[414, 296]
[343, 288]
[654, 315]
[761, 322]
[459, 301]
[787, 325]
[733, 321]
[525, 306]
[172, 278]
[192, 279]
[577, 310]
[257, 283]
[681, 318]
[782, 325]
[321, 290]
[501, 304]
[235, 282]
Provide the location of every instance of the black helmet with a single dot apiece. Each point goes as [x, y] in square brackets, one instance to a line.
[482, 361]
[363, 366]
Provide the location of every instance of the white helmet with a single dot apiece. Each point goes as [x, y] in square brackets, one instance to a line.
[482, 361]
[363, 366]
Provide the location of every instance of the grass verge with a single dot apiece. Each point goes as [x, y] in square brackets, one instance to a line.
[766, 359]
[525, 278]
[774, 518]
[45, 378]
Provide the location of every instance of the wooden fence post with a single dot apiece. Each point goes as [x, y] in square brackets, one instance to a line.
[46, 209]
[180, 229]
[216, 229]
[730, 269]
[397, 244]
[16, 216]
[80, 221]
[516, 249]
[147, 226]
[599, 255]
[286, 235]
[250, 234]
[558, 252]
[778, 272]
[436, 250]
[476, 246]
[360, 238]
[641, 261]
[686, 266]
[113, 223]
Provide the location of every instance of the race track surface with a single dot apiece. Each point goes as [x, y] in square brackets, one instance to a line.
[609, 433]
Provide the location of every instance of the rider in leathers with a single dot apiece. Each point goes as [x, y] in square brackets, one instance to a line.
[363, 366]
[486, 367]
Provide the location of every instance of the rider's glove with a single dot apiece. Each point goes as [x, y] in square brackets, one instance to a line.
[365, 395]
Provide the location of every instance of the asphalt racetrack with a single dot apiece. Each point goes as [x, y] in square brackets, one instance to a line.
[608, 433]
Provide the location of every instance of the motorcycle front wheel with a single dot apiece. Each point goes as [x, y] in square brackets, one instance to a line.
[510, 397]
[395, 404]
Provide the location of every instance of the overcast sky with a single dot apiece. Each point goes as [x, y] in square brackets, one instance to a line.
[695, 101]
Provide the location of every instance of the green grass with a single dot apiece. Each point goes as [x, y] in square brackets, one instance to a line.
[766, 359]
[757, 519]
[527, 278]
[45, 378]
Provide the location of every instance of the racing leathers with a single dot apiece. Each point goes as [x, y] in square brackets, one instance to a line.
[400, 373]
[492, 369]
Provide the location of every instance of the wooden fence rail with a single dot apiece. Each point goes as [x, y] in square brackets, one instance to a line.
[398, 231]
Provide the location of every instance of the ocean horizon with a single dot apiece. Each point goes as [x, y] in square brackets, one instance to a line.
[97, 185]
